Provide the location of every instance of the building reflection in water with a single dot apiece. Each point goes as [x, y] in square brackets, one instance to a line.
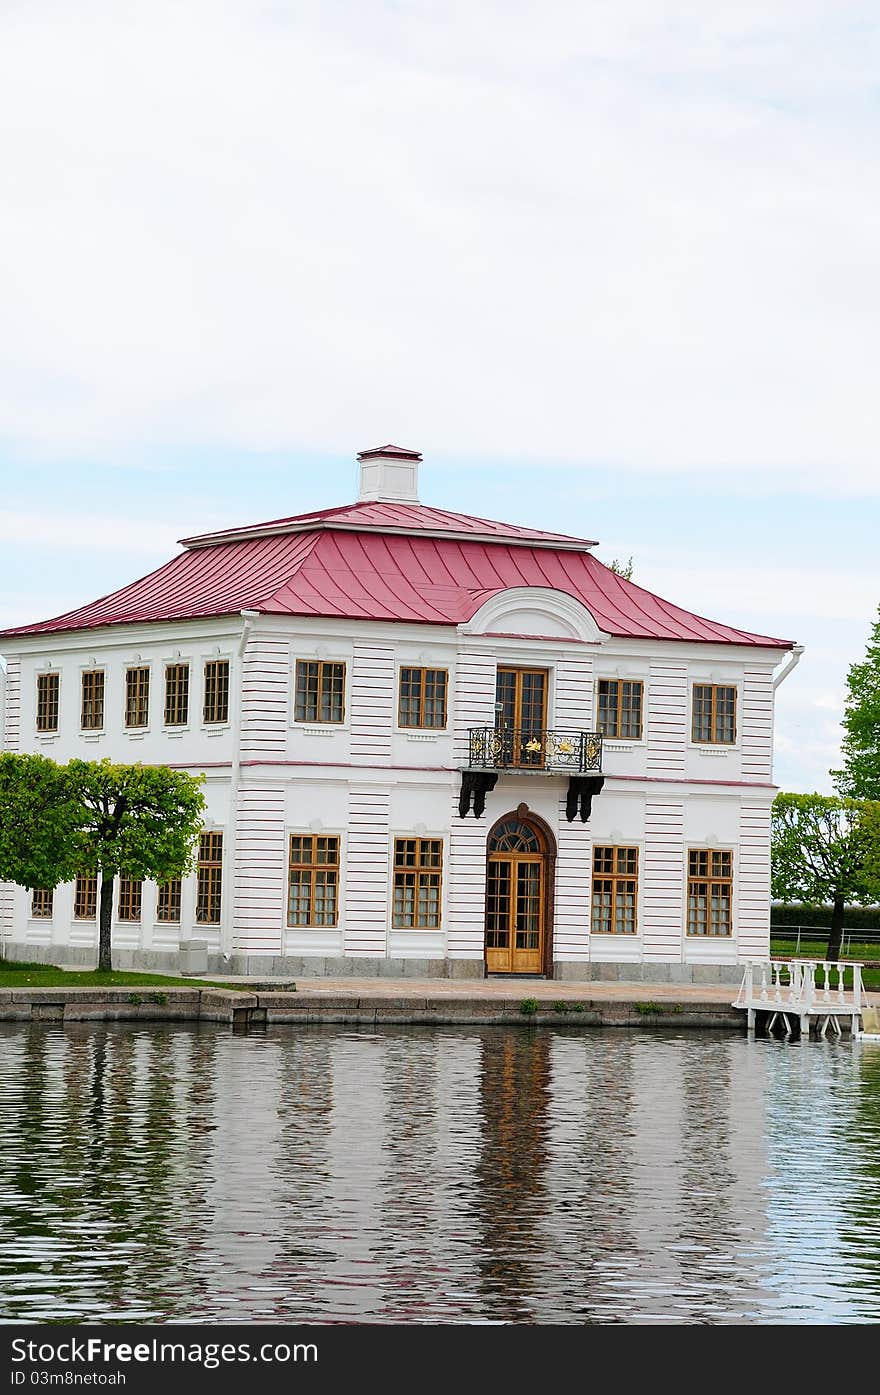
[318, 1174]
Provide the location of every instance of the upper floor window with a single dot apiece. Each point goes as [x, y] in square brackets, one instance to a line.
[710, 892]
[128, 907]
[619, 713]
[176, 695]
[48, 690]
[41, 904]
[714, 714]
[422, 700]
[137, 696]
[216, 708]
[313, 880]
[320, 691]
[418, 870]
[92, 718]
[615, 890]
[209, 878]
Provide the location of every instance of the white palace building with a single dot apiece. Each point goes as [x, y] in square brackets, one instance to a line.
[433, 745]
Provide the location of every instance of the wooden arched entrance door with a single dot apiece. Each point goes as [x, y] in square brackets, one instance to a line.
[518, 896]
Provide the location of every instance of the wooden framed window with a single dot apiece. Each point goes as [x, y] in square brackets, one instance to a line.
[92, 717]
[168, 900]
[48, 692]
[521, 708]
[209, 878]
[85, 898]
[41, 904]
[418, 874]
[313, 880]
[714, 714]
[216, 705]
[619, 708]
[320, 691]
[615, 891]
[710, 892]
[137, 696]
[176, 695]
[422, 698]
[128, 906]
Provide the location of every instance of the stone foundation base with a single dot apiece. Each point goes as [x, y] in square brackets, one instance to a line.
[292, 966]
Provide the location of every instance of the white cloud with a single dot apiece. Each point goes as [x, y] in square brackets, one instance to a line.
[88, 533]
[601, 232]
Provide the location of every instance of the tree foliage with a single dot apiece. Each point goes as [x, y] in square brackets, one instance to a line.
[94, 817]
[39, 822]
[860, 776]
[825, 849]
[624, 569]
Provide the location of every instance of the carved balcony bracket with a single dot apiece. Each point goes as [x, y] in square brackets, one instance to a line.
[581, 792]
[475, 785]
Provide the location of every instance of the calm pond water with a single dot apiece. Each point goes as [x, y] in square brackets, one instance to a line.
[506, 1175]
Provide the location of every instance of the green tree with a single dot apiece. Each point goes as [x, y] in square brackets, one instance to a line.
[860, 776]
[39, 822]
[826, 848]
[624, 569]
[138, 820]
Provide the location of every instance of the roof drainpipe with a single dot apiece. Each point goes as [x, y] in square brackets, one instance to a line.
[228, 902]
[794, 659]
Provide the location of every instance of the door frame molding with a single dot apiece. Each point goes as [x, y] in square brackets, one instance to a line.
[527, 816]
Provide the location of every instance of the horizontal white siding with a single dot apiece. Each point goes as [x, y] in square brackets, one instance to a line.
[372, 703]
[756, 725]
[465, 933]
[663, 881]
[574, 695]
[571, 937]
[367, 870]
[752, 927]
[265, 698]
[474, 699]
[12, 710]
[258, 882]
[667, 719]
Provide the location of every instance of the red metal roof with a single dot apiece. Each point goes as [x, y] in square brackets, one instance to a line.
[395, 518]
[394, 452]
[370, 573]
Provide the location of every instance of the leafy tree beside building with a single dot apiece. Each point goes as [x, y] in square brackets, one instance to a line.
[825, 849]
[98, 819]
[860, 776]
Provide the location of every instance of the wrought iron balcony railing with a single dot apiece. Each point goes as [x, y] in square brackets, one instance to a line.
[562, 752]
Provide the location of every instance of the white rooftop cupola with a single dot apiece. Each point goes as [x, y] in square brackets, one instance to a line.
[389, 474]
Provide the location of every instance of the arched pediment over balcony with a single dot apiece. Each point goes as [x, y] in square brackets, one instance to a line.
[536, 612]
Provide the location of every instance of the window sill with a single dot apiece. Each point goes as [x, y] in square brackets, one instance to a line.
[629, 935]
[612, 743]
[210, 729]
[319, 730]
[91, 735]
[715, 750]
[47, 736]
[422, 735]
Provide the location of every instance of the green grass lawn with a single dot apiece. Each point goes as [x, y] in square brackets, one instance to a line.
[13, 975]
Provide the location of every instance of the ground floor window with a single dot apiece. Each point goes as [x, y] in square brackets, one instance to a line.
[313, 880]
[41, 904]
[128, 907]
[168, 901]
[615, 890]
[710, 892]
[418, 872]
[85, 898]
[209, 878]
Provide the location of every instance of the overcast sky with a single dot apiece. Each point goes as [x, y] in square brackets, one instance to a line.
[612, 267]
